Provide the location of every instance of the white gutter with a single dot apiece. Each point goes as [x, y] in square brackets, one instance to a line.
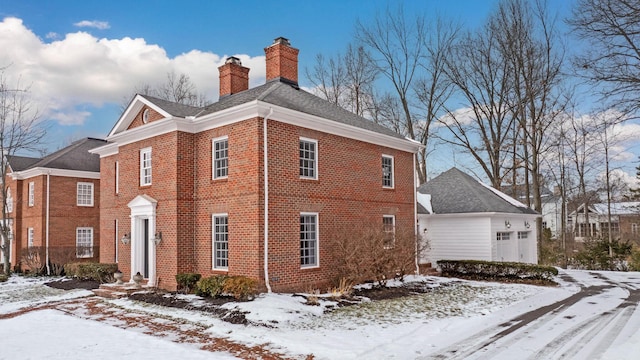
[266, 199]
[47, 224]
[415, 212]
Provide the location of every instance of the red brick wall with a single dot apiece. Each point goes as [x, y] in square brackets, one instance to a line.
[34, 216]
[153, 116]
[348, 192]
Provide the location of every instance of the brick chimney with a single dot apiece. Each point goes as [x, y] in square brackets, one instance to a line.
[282, 61]
[234, 77]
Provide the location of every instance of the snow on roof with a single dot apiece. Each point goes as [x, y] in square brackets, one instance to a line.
[618, 208]
[425, 201]
[504, 196]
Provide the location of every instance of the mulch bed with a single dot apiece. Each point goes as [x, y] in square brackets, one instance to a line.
[73, 283]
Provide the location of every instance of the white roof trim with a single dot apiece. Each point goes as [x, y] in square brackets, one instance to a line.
[132, 110]
[239, 113]
[483, 214]
[29, 173]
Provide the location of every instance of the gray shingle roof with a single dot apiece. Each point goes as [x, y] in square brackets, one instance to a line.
[173, 108]
[456, 192]
[73, 157]
[280, 93]
[19, 163]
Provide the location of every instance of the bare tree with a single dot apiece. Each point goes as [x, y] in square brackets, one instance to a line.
[346, 80]
[398, 46]
[177, 88]
[612, 57]
[481, 75]
[20, 130]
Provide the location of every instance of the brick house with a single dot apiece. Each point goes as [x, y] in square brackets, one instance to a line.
[252, 184]
[53, 205]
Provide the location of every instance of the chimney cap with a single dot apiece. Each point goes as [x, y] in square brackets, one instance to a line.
[233, 60]
[281, 40]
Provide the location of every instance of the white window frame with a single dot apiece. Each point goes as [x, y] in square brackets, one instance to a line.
[503, 236]
[9, 203]
[146, 154]
[215, 241]
[523, 235]
[30, 236]
[389, 243]
[215, 159]
[117, 177]
[634, 228]
[80, 196]
[392, 170]
[32, 193]
[316, 241]
[79, 232]
[314, 168]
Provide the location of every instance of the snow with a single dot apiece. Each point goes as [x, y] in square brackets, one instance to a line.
[425, 201]
[59, 336]
[414, 327]
[504, 196]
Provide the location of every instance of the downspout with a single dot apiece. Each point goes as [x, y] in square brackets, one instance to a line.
[266, 199]
[47, 224]
[415, 214]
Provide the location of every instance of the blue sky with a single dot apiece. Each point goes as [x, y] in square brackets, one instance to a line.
[83, 59]
[62, 46]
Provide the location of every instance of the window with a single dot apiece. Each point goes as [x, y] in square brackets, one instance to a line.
[387, 171]
[220, 158]
[634, 228]
[503, 236]
[308, 240]
[32, 189]
[615, 228]
[145, 116]
[221, 241]
[523, 235]
[85, 194]
[117, 179]
[145, 166]
[389, 228]
[9, 201]
[30, 237]
[84, 242]
[308, 158]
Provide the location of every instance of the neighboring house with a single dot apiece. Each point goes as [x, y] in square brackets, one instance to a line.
[254, 184]
[625, 221]
[461, 218]
[52, 205]
[551, 206]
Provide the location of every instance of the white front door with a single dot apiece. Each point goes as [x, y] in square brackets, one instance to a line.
[143, 249]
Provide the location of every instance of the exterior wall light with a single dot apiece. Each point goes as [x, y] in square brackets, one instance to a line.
[526, 224]
[126, 238]
[507, 224]
[158, 238]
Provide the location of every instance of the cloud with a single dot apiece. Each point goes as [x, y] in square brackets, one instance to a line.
[78, 71]
[102, 25]
[52, 35]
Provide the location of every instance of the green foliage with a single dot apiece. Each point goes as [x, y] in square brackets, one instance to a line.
[492, 270]
[91, 271]
[187, 281]
[211, 286]
[4, 277]
[240, 287]
[600, 254]
[551, 252]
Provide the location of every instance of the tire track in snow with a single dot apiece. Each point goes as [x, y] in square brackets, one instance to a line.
[478, 344]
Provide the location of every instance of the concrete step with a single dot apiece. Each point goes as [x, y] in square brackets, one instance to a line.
[115, 291]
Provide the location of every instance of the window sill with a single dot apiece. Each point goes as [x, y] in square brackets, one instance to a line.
[388, 188]
[310, 267]
[309, 179]
[222, 270]
[220, 179]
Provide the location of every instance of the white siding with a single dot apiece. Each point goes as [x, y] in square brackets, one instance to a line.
[473, 237]
[455, 237]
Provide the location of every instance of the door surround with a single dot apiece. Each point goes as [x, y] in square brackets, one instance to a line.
[143, 207]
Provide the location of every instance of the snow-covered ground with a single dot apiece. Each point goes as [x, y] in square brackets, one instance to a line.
[458, 319]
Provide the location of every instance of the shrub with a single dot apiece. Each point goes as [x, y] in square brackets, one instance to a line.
[187, 281]
[91, 271]
[600, 254]
[497, 270]
[211, 286]
[634, 259]
[3, 277]
[240, 287]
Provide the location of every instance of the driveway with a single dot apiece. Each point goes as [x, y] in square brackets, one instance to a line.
[601, 316]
